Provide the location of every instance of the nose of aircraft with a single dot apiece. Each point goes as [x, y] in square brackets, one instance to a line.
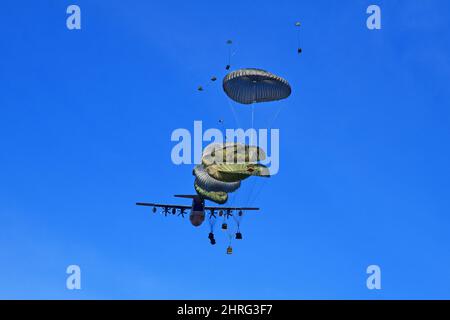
[196, 218]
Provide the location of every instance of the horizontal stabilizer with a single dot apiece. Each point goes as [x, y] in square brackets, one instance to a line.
[188, 196]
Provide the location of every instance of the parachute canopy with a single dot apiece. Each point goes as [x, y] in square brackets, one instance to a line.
[208, 183]
[237, 172]
[223, 168]
[251, 85]
[231, 153]
[219, 197]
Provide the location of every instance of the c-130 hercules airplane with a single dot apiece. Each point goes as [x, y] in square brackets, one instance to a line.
[197, 213]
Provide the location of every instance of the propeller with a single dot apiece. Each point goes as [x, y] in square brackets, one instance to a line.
[212, 213]
[182, 212]
[166, 211]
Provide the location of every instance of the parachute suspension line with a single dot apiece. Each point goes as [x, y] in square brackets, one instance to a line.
[231, 199]
[233, 111]
[249, 195]
[261, 187]
[255, 95]
[230, 233]
[230, 248]
[253, 122]
[234, 198]
[212, 222]
[238, 219]
[253, 183]
[277, 113]
[253, 116]
[224, 222]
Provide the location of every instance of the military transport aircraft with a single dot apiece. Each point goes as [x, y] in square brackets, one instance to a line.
[198, 208]
[197, 212]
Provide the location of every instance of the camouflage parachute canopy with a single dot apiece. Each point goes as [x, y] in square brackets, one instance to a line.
[231, 152]
[237, 172]
[223, 168]
[219, 197]
[209, 183]
[252, 85]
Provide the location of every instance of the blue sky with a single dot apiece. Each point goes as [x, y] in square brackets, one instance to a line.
[85, 125]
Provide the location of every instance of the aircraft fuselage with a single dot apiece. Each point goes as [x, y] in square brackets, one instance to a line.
[197, 215]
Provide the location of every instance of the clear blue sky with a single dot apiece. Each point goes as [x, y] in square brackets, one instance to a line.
[85, 124]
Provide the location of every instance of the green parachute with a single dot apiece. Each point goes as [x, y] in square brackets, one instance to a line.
[223, 168]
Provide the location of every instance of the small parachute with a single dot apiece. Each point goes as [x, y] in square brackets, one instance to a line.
[299, 49]
[252, 85]
[229, 43]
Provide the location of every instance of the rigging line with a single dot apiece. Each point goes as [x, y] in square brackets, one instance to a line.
[253, 122]
[236, 195]
[252, 187]
[261, 186]
[255, 95]
[253, 115]
[251, 143]
[233, 111]
[271, 121]
[233, 198]
[258, 192]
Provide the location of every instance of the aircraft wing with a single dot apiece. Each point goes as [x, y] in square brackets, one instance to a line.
[159, 205]
[231, 208]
